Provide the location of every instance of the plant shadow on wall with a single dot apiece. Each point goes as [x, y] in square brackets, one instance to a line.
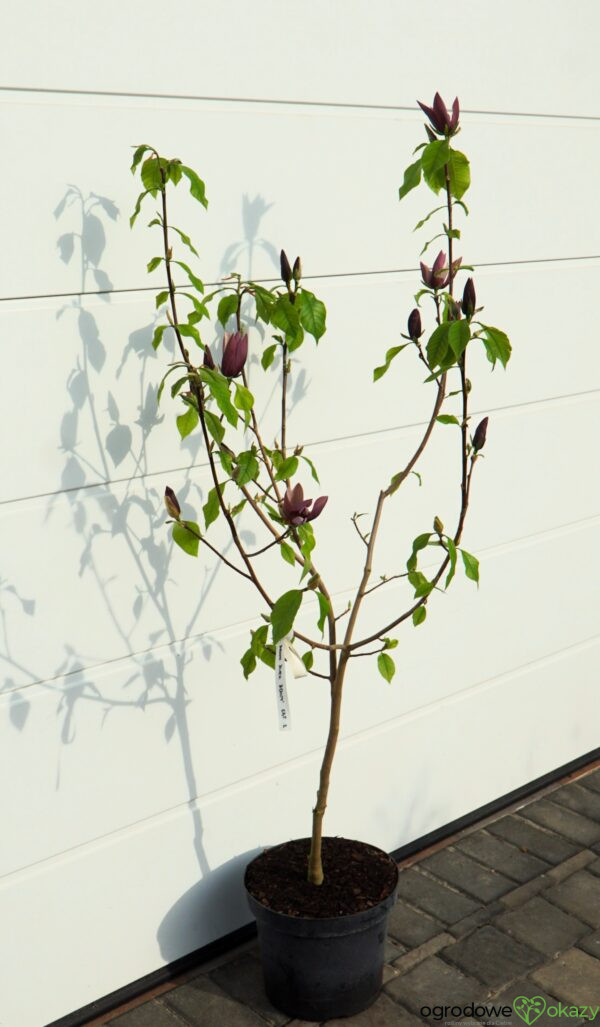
[108, 485]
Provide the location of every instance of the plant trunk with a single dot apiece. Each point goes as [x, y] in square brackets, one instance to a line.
[315, 863]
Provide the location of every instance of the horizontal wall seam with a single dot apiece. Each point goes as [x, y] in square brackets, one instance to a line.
[334, 104]
[244, 784]
[276, 281]
[163, 471]
[235, 627]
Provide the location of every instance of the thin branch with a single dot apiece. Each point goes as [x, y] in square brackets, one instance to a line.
[213, 549]
[269, 545]
[385, 581]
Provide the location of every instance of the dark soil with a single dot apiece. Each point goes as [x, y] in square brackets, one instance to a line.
[357, 876]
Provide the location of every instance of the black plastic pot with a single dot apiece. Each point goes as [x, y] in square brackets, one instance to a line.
[316, 968]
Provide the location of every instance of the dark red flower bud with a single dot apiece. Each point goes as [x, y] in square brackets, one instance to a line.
[297, 270]
[208, 359]
[172, 504]
[469, 299]
[295, 509]
[286, 271]
[442, 122]
[235, 352]
[415, 330]
[480, 434]
[454, 313]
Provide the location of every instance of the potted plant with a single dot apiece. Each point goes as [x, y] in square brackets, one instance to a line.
[321, 903]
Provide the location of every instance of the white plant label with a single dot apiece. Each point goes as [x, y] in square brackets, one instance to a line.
[284, 651]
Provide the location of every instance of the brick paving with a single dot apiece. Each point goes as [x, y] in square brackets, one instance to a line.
[505, 912]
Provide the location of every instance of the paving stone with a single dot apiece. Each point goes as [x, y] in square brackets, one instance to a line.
[577, 862]
[574, 977]
[525, 988]
[429, 948]
[383, 1013]
[542, 926]
[242, 979]
[525, 892]
[477, 919]
[492, 956]
[529, 838]
[204, 1004]
[392, 950]
[581, 800]
[150, 1014]
[434, 983]
[562, 820]
[591, 944]
[502, 856]
[427, 894]
[594, 867]
[463, 872]
[411, 926]
[579, 895]
[590, 781]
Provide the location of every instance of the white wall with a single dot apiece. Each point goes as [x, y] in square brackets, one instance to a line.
[139, 769]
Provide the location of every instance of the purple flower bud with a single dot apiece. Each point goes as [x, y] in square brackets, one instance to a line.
[297, 270]
[235, 352]
[415, 330]
[442, 122]
[172, 504]
[480, 434]
[438, 276]
[296, 510]
[454, 313]
[469, 299]
[208, 359]
[284, 265]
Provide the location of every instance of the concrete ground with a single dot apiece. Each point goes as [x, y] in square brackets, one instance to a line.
[504, 913]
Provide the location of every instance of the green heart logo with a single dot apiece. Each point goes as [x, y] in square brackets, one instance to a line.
[529, 1009]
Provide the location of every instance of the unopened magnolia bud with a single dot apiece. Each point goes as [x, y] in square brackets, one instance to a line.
[468, 386]
[415, 330]
[298, 450]
[297, 270]
[480, 434]
[171, 503]
[453, 310]
[284, 265]
[469, 298]
[438, 526]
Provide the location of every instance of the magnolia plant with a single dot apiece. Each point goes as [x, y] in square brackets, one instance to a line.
[246, 471]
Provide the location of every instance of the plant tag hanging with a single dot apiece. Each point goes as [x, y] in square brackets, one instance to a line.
[284, 650]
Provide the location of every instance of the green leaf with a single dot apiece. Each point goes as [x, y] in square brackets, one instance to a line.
[219, 390]
[187, 422]
[268, 656]
[287, 468]
[157, 337]
[162, 297]
[137, 208]
[214, 426]
[177, 385]
[497, 345]
[235, 510]
[212, 507]
[420, 584]
[228, 305]
[197, 187]
[419, 615]
[248, 662]
[471, 565]
[437, 347]
[424, 221]
[391, 353]
[421, 542]
[312, 313]
[412, 177]
[226, 459]
[386, 666]
[185, 538]
[308, 658]
[196, 282]
[324, 610]
[185, 240]
[243, 399]
[268, 356]
[285, 316]
[459, 173]
[284, 613]
[151, 174]
[264, 300]
[458, 337]
[452, 554]
[307, 544]
[287, 553]
[258, 639]
[190, 332]
[313, 469]
[153, 264]
[247, 468]
[138, 154]
[390, 643]
[447, 419]
[433, 159]
[174, 172]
